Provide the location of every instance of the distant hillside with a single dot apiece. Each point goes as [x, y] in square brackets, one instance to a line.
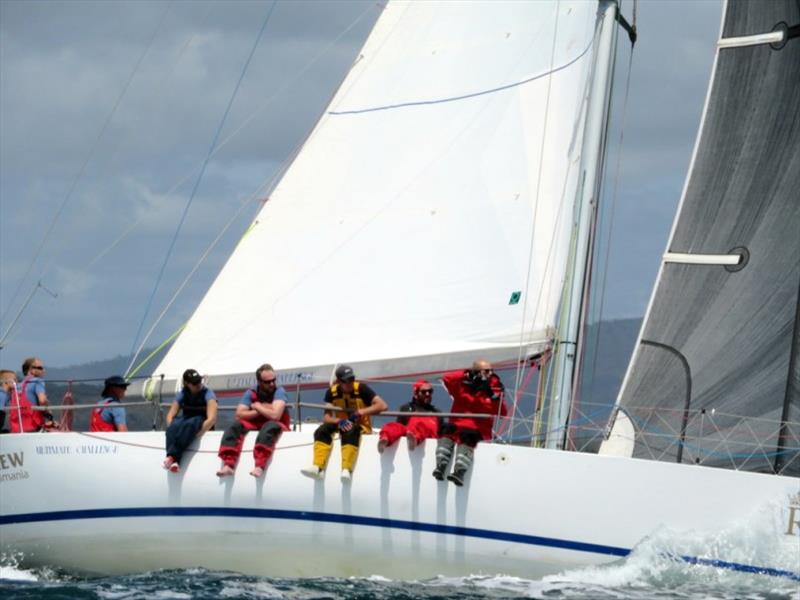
[609, 345]
[100, 369]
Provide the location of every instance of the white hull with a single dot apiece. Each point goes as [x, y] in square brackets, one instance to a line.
[523, 511]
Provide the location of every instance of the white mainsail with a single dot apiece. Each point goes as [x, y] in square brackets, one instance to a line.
[437, 188]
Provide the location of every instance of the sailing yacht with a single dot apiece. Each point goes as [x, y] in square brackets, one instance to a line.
[440, 211]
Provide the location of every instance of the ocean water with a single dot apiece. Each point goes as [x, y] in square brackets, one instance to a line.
[639, 577]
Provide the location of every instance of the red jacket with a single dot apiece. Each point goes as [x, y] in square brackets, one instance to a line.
[476, 399]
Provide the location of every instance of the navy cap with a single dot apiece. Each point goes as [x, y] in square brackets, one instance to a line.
[116, 381]
[192, 376]
[345, 373]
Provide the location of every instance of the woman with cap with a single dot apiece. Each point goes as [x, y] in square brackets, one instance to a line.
[198, 405]
[108, 417]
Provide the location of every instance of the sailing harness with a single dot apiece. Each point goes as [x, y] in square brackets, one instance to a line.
[348, 403]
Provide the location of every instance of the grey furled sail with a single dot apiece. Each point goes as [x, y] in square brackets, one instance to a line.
[715, 377]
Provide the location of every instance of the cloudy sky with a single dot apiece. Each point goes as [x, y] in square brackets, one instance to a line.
[108, 111]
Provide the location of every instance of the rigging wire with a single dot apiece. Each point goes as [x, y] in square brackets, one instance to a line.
[179, 290]
[88, 158]
[611, 219]
[199, 179]
[323, 52]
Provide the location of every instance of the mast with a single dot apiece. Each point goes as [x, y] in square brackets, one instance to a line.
[569, 339]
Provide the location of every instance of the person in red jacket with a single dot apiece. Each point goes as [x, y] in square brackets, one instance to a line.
[476, 391]
[261, 409]
[109, 416]
[415, 428]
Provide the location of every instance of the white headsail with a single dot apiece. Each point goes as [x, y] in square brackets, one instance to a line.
[428, 217]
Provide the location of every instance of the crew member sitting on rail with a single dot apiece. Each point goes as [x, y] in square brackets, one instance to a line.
[351, 404]
[107, 416]
[262, 409]
[479, 391]
[21, 415]
[416, 429]
[199, 406]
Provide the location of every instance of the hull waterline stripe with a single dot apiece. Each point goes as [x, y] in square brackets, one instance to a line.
[299, 515]
[724, 564]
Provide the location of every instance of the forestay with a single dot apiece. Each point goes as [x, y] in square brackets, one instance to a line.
[427, 219]
[715, 377]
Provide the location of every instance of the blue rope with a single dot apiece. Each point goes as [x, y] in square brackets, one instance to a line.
[134, 351]
[494, 90]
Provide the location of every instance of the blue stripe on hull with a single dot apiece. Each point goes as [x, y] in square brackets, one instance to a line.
[300, 515]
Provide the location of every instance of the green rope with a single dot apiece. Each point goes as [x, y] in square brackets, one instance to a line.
[156, 351]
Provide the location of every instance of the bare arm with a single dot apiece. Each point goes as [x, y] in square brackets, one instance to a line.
[377, 406]
[211, 417]
[329, 416]
[122, 428]
[173, 411]
[270, 410]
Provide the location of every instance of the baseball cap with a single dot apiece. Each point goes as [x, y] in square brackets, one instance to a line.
[345, 373]
[192, 376]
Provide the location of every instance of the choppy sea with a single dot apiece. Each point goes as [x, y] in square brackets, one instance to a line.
[639, 577]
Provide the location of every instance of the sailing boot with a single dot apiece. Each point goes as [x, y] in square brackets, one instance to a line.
[321, 453]
[463, 462]
[444, 452]
[349, 456]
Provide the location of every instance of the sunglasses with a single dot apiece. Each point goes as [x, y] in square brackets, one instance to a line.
[37, 367]
[267, 381]
[430, 392]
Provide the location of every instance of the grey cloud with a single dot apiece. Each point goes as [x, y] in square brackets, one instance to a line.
[64, 63]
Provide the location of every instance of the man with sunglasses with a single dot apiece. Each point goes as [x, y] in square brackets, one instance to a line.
[21, 415]
[416, 429]
[478, 391]
[262, 409]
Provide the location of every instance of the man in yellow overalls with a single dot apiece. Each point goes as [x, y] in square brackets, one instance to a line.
[352, 403]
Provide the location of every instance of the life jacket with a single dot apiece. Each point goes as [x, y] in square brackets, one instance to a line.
[194, 405]
[22, 417]
[349, 403]
[258, 422]
[97, 422]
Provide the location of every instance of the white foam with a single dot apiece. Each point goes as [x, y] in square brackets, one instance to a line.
[15, 574]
